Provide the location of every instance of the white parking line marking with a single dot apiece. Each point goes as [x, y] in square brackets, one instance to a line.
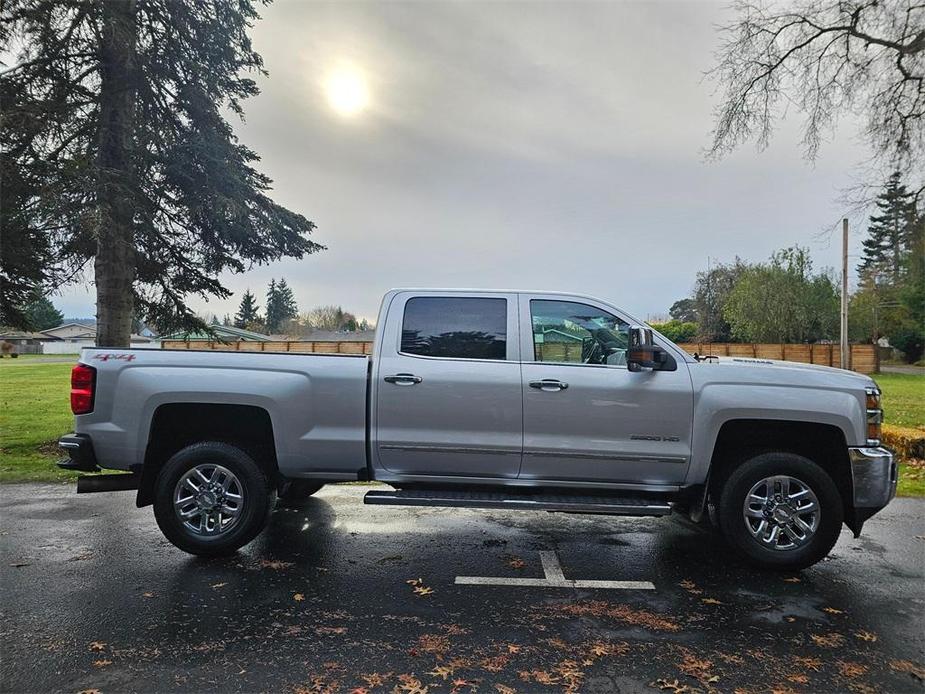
[554, 579]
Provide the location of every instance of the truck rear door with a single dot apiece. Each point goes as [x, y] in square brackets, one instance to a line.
[448, 395]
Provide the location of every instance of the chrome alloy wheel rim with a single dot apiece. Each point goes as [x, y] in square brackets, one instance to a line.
[781, 512]
[208, 500]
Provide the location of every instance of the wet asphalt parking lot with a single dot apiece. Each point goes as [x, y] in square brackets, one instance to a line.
[337, 596]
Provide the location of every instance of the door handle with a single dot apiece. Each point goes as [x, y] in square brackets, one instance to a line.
[549, 385]
[403, 379]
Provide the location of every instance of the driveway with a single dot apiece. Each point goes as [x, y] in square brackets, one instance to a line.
[336, 596]
[903, 369]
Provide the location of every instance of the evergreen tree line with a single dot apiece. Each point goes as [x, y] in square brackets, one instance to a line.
[282, 314]
[785, 300]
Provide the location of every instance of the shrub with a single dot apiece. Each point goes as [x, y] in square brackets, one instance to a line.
[677, 331]
[909, 341]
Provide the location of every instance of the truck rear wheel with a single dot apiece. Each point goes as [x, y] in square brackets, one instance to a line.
[212, 498]
[781, 510]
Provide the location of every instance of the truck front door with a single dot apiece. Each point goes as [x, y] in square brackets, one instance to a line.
[448, 392]
[586, 416]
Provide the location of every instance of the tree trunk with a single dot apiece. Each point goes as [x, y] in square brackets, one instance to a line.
[114, 265]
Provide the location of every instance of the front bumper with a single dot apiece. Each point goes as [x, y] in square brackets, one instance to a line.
[874, 476]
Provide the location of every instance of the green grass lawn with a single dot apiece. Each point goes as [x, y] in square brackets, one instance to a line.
[903, 399]
[904, 405]
[35, 411]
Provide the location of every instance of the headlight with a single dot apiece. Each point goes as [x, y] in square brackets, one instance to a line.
[874, 416]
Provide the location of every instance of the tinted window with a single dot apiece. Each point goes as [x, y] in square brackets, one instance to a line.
[466, 328]
[573, 333]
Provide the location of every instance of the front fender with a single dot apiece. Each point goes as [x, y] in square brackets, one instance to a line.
[717, 404]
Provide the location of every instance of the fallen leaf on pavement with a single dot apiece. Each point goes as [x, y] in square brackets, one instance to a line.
[97, 645]
[298, 597]
[443, 671]
[849, 669]
[797, 678]
[219, 585]
[827, 640]
[808, 662]
[833, 610]
[330, 630]
[423, 590]
[543, 677]
[275, 564]
[101, 663]
[511, 648]
[908, 666]
[792, 579]
[516, 563]
[673, 685]
[866, 635]
[711, 601]
[147, 595]
[410, 684]
[374, 679]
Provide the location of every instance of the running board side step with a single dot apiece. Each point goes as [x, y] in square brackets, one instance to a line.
[607, 505]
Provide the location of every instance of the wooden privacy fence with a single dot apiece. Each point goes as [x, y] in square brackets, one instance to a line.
[295, 346]
[864, 358]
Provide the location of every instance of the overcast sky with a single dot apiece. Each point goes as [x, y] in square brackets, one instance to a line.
[550, 146]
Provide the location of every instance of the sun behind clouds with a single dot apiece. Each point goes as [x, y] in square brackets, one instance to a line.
[347, 91]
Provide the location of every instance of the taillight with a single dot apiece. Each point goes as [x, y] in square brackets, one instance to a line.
[83, 385]
[874, 417]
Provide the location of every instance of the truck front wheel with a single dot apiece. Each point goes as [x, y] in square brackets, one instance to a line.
[781, 510]
[212, 498]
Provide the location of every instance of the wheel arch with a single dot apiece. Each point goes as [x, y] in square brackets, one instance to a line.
[175, 426]
[741, 439]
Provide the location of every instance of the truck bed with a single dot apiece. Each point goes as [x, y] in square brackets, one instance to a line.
[316, 402]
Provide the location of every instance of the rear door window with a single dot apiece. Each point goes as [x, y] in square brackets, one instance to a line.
[455, 327]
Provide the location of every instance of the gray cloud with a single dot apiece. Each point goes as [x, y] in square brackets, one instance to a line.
[547, 145]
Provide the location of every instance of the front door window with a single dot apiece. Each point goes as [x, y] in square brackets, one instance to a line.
[572, 333]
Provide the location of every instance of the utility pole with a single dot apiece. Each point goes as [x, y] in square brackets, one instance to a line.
[845, 352]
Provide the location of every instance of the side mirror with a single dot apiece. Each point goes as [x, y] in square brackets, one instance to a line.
[643, 353]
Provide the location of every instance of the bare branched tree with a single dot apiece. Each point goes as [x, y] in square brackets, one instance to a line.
[828, 58]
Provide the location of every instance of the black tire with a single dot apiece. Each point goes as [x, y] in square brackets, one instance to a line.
[735, 528]
[257, 499]
[298, 491]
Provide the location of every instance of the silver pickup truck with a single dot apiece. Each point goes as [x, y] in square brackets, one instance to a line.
[489, 399]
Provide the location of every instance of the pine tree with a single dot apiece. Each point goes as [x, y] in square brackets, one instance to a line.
[890, 233]
[281, 305]
[289, 308]
[115, 148]
[248, 312]
[40, 313]
[273, 307]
